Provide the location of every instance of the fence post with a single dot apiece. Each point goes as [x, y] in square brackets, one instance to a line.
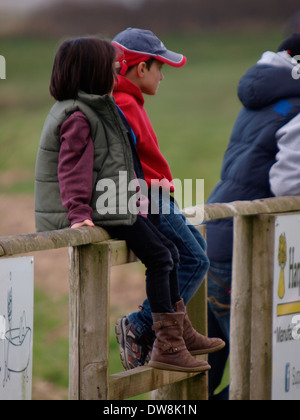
[262, 296]
[240, 337]
[251, 308]
[89, 322]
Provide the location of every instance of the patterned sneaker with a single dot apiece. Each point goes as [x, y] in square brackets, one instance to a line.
[133, 354]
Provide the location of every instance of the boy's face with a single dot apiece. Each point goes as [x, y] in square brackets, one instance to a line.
[150, 82]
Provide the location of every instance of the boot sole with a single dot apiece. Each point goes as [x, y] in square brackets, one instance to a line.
[165, 366]
[208, 351]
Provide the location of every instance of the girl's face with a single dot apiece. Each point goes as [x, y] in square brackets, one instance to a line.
[152, 78]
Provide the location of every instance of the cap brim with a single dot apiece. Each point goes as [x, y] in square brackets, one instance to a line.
[172, 59]
[168, 57]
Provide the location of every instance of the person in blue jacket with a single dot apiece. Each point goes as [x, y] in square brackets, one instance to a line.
[262, 160]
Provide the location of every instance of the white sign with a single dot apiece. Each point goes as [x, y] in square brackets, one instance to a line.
[286, 309]
[16, 328]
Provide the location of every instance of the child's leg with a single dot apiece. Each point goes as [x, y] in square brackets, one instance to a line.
[191, 246]
[173, 278]
[142, 321]
[145, 241]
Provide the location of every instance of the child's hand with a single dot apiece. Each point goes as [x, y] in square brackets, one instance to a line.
[87, 222]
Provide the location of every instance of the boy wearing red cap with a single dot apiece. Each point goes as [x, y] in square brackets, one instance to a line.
[141, 56]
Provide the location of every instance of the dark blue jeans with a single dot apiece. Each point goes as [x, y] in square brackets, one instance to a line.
[219, 299]
[193, 263]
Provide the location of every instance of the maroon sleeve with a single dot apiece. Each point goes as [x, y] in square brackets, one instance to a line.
[75, 168]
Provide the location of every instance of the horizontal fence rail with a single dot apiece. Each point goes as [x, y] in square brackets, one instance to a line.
[21, 244]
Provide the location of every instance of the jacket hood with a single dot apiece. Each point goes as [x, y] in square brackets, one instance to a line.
[269, 81]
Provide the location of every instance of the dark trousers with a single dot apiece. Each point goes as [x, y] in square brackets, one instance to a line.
[161, 258]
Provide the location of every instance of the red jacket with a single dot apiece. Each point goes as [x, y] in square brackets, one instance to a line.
[130, 99]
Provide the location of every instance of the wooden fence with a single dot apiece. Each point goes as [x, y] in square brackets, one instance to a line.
[92, 254]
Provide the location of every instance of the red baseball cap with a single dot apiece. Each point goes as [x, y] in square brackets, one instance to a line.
[136, 45]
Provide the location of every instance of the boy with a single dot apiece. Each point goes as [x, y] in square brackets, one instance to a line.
[141, 58]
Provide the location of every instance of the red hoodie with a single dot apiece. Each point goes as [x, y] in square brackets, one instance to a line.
[130, 99]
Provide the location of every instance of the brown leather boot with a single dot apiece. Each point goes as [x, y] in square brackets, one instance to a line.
[169, 350]
[195, 342]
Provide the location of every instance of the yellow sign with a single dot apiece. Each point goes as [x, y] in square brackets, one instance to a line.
[288, 309]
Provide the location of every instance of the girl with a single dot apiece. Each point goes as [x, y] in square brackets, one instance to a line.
[84, 141]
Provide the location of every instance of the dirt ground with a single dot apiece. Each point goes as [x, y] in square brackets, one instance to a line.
[51, 273]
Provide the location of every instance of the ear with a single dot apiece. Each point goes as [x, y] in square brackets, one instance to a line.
[141, 68]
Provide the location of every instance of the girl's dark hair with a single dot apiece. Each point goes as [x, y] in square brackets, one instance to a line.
[83, 64]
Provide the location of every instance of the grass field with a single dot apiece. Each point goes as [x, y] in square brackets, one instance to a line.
[193, 115]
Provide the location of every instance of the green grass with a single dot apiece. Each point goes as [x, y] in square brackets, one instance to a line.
[192, 114]
[24, 104]
[50, 344]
